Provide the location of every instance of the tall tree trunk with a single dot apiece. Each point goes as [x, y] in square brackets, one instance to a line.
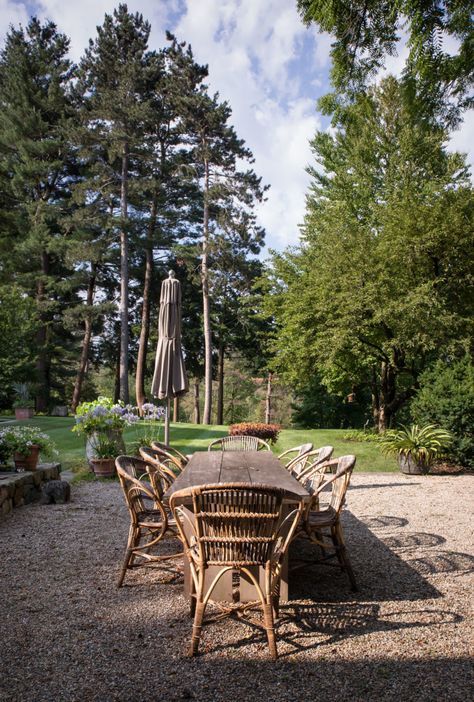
[86, 341]
[124, 340]
[117, 378]
[387, 395]
[176, 409]
[220, 386]
[205, 304]
[43, 363]
[197, 410]
[268, 399]
[145, 321]
[375, 396]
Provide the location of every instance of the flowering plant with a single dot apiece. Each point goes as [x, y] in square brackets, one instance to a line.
[149, 428]
[102, 415]
[22, 439]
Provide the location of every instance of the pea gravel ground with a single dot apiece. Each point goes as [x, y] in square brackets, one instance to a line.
[67, 632]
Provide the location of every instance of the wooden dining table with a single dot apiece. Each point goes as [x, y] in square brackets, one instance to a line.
[255, 467]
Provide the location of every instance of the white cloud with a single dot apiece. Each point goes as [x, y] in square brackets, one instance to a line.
[11, 13]
[250, 48]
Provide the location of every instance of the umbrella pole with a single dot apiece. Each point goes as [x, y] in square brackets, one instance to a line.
[167, 422]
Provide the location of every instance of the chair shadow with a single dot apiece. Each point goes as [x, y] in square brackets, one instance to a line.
[382, 574]
[333, 622]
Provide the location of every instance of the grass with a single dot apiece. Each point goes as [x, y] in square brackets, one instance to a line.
[196, 437]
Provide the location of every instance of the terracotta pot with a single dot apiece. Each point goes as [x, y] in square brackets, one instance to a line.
[24, 412]
[103, 467]
[28, 461]
[409, 466]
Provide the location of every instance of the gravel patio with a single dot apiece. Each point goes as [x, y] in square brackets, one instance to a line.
[67, 632]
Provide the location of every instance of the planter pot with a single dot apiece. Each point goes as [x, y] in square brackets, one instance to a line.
[409, 466]
[91, 440]
[103, 467]
[28, 461]
[24, 412]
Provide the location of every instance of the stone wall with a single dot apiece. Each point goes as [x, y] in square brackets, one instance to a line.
[18, 489]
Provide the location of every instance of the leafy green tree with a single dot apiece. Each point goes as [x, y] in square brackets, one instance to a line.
[367, 31]
[383, 280]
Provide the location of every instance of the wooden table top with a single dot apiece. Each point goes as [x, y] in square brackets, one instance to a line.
[256, 467]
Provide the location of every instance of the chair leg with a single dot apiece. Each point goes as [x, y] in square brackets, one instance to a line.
[133, 539]
[198, 615]
[197, 628]
[268, 623]
[343, 557]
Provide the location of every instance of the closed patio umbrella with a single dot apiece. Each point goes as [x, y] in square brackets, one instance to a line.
[169, 379]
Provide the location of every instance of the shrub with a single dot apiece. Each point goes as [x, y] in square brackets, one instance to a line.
[267, 432]
[446, 398]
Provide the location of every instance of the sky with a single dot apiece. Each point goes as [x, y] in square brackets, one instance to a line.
[262, 60]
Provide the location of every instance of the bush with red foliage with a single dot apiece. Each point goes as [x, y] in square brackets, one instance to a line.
[267, 432]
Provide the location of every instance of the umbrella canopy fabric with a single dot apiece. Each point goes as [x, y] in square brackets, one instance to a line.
[169, 378]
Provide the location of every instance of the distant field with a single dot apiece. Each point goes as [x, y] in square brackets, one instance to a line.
[196, 437]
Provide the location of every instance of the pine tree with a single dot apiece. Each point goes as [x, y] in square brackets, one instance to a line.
[229, 196]
[37, 170]
[113, 81]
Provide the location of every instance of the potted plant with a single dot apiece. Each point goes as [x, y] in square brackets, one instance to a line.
[416, 447]
[26, 444]
[23, 404]
[103, 418]
[105, 451]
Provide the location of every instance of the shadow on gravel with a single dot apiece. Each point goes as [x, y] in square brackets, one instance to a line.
[303, 627]
[382, 574]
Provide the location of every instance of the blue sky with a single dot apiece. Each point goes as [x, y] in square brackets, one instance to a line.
[262, 59]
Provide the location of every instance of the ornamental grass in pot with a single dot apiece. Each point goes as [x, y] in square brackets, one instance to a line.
[416, 447]
[105, 451]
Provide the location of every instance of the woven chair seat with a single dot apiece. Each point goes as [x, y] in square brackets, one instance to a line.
[324, 518]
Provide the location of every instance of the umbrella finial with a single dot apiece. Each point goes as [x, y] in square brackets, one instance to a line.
[171, 274]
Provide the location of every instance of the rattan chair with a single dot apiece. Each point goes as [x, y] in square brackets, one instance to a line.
[172, 452]
[166, 464]
[235, 527]
[143, 486]
[323, 526]
[311, 460]
[297, 459]
[239, 443]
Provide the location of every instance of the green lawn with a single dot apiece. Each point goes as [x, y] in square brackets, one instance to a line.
[195, 437]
